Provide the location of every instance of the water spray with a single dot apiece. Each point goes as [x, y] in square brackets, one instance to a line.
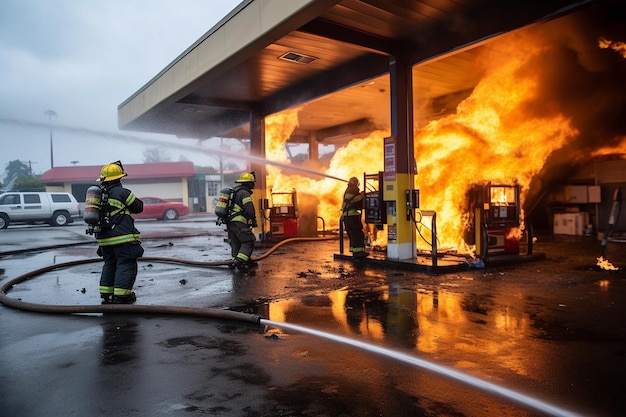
[435, 368]
[147, 141]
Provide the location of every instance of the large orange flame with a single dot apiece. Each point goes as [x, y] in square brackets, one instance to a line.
[344, 164]
[489, 139]
[492, 137]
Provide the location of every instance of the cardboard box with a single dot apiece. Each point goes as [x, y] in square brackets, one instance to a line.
[594, 194]
[575, 194]
[572, 224]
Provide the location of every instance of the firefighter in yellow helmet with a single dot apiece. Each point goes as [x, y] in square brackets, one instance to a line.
[241, 222]
[118, 239]
[351, 216]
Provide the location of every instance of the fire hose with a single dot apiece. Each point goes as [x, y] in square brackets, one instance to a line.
[252, 318]
[135, 308]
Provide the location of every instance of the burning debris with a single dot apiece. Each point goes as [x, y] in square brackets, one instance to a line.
[619, 47]
[606, 265]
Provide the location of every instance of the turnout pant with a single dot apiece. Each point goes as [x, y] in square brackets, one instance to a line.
[354, 228]
[120, 268]
[241, 240]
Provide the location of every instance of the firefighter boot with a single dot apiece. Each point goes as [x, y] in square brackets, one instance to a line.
[240, 265]
[125, 299]
[106, 298]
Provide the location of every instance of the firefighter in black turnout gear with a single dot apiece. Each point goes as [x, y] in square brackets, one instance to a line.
[118, 240]
[351, 216]
[240, 223]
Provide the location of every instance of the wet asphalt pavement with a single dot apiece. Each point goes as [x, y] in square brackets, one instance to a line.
[553, 330]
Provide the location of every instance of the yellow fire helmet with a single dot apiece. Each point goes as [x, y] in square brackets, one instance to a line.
[111, 172]
[246, 177]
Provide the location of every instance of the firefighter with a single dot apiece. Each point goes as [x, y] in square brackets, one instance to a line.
[118, 239]
[351, 216]
[241, 222]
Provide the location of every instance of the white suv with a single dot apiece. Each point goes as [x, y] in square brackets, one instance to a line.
[56, 209]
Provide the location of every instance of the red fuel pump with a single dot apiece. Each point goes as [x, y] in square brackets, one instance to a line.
[284, 214]
[496, 226]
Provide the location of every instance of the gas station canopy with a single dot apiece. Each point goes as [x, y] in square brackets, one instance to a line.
[331, 58]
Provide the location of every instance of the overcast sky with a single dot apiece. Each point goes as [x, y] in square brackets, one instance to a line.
[81, 59]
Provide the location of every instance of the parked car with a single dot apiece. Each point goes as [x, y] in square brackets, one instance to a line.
[56, 209]
[158, 208]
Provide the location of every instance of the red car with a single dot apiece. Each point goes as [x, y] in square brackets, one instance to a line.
[157, 208]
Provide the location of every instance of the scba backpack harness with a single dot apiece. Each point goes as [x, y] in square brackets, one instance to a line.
[224, 206]
[96, 215]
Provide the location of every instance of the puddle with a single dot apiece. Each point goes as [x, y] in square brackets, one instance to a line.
[419, 319]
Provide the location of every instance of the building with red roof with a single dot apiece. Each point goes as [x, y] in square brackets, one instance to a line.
[171, 181]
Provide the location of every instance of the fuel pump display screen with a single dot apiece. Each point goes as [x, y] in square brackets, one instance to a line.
[502, 195]
[373, 212]
[503, 203]
[284, 214]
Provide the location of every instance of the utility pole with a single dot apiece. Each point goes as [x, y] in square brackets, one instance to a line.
[51, 115]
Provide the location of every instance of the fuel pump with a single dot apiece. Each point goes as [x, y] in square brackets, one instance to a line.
[284, 214]
[373, 204]
[374, 208]
[497, 219]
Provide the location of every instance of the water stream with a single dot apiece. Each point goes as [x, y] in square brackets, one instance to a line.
[433, 367]
[179, 146]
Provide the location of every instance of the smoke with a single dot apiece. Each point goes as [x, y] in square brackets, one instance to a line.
[550, 98]
[581, 80]
[580, 76]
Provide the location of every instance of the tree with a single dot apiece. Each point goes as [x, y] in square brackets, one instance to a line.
[155, 155]
[28, 183]
[15, 169]
[231, 166]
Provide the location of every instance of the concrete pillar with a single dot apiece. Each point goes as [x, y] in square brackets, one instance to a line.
[400, 162]
[307, 203]
[257, 148]
[314, 153]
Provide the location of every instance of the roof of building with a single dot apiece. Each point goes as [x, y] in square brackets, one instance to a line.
[134, 171]
[327, 56]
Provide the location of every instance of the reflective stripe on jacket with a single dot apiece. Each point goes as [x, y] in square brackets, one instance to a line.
[243, 207]
[121, 203]
[352, 201]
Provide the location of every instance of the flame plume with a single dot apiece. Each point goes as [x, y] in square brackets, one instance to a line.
[351, 160]
[606, 265]
[490, 138]
[619, 47]
[542, 101]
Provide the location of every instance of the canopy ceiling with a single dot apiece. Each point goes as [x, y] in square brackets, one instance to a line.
[329, 57]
